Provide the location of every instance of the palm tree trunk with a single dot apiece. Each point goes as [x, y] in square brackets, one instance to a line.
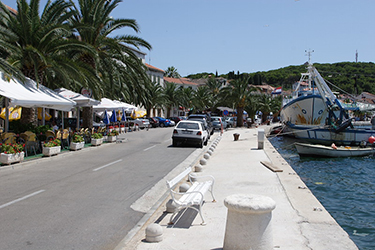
[87, 117]
[239, 116]
[28, 116]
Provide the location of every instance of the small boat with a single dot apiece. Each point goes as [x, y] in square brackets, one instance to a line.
[305, 149]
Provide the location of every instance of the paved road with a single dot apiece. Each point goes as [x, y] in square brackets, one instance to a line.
[81, 200]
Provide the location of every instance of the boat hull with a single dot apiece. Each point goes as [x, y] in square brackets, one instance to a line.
[305, 110]
[327, 136]
[305, 149]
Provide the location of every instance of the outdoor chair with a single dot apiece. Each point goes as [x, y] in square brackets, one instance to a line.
[65, 138]
[8, 137]
[29, 139]
[50, 135]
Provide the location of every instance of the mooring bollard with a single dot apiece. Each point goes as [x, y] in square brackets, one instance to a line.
[260, 138]
[248, 222]
[154, 233]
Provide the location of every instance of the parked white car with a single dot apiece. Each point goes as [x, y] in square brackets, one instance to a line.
[140, 122]
[189, 132]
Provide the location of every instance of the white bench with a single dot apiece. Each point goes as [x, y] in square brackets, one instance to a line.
[194, 196]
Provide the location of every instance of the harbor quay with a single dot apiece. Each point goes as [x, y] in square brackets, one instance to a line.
[244, 171]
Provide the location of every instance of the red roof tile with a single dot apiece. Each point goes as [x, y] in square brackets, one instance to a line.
[180, 81]
[154, 68]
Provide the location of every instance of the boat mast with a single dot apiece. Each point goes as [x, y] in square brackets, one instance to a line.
[309, 55]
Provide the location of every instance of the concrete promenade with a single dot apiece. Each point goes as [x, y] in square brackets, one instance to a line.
[299, 220]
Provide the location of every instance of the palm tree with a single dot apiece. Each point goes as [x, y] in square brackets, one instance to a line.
[237, 95]
[154, 98]
[214, 87]
[123, 75]
[169, 96]
[185, 97]
[268, 104]
[201, 100]
[117, 63]
[172, 72]
[38, 46]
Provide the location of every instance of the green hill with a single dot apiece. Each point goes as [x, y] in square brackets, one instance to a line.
[352, 77]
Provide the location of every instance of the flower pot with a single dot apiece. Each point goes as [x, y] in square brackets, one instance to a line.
[11, 158]
[49, 151]
[96, 142]
[76, 145]
[111, 138]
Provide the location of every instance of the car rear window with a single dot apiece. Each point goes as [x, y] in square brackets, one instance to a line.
[188, 125]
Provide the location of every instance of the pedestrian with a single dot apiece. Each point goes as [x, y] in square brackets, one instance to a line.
[54, 126]
[373, 122]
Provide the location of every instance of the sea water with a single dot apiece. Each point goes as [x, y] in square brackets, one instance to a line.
[345, 187]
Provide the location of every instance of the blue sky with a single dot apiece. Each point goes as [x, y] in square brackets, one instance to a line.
[198, 36]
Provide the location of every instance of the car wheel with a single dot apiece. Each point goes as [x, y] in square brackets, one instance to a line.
[174, 143]
[206, 142]
[142, 128]
[162, 125]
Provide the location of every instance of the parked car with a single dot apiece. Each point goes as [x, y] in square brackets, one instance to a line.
[153, 122]
[190, 132]
[203, 117]
[175, 119]
[231, 122]
[163, 122]
[140, 122]
[218, 122]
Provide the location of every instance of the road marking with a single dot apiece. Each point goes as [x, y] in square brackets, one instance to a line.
[21, 199]
[107, 165]
[149, 148]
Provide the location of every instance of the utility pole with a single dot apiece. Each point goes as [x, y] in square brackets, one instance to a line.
[356, 56]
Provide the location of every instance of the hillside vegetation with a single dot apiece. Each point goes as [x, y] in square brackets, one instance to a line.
[351, 77]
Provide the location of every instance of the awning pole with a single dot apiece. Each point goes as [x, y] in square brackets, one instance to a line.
[43, 116]
[78, 117]
[6, 115]
[62, 119]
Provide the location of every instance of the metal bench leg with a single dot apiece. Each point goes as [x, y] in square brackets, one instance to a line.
[200, 213]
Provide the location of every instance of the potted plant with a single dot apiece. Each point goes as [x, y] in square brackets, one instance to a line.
[96, 139]
[77, 142]
[112, 136]
[53, 147]
[11, 153]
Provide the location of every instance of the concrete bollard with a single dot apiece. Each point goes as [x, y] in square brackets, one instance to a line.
[206, 156]
[203, 161]
[248, 224]
[198, 168]
[154, 233]
[170, 206]
[184, 187]
[209, 152]
[193, 177]
[260, 138]
[236, 136]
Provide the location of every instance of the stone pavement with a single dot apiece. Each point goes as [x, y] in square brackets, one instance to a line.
[299, 220]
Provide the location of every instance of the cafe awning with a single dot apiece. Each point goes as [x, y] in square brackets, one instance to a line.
[28, 95]
[81, 100]
[107, 104]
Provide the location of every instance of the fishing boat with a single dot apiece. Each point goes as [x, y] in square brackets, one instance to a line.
[305, 149]
[316, 115]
